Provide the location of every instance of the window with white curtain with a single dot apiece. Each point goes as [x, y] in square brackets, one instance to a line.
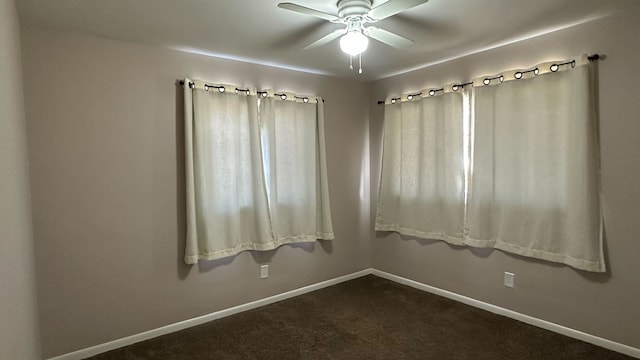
[293, 148]
[535, 184]
[255, 171]
[531, 159]
[422, 184]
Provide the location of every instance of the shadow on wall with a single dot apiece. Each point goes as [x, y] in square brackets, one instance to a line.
[485, 253]
[260, 257]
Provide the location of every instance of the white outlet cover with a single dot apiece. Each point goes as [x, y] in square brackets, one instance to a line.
[509, 279]
[264, 271]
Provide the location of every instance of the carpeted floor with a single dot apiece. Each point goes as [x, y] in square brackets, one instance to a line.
[366, 318]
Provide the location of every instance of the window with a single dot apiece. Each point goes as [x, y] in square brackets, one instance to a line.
[422, 185]
[531, 162]
[255, 170]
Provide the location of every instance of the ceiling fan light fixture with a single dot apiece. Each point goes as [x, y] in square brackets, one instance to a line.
[354, 43]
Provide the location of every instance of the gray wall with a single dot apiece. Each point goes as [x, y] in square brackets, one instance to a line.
[104, 122]
[18, 313]
[603, 305]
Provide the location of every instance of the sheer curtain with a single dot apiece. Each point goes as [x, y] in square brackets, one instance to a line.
[422, 182]
[535, 179]
[256, 173]
[522, 177]
[294, 152]
[227, 208]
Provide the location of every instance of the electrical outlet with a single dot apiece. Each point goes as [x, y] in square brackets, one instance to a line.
[264, 271]
[509, 279]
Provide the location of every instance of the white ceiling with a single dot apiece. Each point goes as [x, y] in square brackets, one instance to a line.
[260, 32]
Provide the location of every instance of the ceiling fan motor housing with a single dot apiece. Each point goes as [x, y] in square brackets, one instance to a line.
[353, 8]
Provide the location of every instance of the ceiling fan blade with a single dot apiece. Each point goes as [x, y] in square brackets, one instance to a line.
[307, 11]
[327, 38]
[393, 7]
[389, 38]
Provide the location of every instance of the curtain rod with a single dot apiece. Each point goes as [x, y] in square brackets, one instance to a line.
[593, 57]
[283, 96]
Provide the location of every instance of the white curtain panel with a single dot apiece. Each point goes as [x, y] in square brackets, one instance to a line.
[535, 178]
[256, 173]
[227, 208]
[422, 181]
[296, 170]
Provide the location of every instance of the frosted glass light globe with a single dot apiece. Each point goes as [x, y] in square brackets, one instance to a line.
[354, 43]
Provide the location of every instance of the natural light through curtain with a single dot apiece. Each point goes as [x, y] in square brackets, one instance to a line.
[535, 184]
[255, 171]
[226, 199]
[511, 162]
[422, 183]
[293, 134]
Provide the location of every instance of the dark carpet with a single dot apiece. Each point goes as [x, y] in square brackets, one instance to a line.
[366, 318]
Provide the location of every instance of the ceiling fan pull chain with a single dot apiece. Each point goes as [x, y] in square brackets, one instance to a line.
[350, 62]
[360, 70]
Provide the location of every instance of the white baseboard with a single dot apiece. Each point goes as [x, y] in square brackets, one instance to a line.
[563, 330]
[115, 344]
[129, 340]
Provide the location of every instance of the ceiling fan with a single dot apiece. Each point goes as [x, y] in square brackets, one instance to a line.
[355, 14]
